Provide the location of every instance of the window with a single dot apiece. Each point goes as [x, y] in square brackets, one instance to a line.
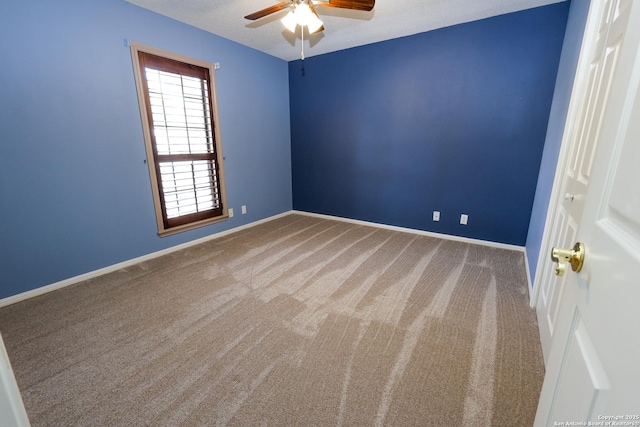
[182, 138]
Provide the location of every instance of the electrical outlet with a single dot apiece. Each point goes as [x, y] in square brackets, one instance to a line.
[436, 215]
[464, 218]
[244, 209]
[230, 212]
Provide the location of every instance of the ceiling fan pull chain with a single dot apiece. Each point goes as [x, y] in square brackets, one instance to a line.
[302, 35]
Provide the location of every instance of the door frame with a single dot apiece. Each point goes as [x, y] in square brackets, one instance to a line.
[11, 405]
[577, 94]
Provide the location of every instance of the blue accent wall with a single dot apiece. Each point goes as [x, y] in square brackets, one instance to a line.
[559, 108]
[74, 192]
[452, 120]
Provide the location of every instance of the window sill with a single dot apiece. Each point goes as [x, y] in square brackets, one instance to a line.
[186, 227]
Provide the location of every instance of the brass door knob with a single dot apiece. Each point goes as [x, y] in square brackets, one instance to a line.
[574, 256]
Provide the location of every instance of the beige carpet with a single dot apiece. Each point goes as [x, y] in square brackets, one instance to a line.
[298, 321]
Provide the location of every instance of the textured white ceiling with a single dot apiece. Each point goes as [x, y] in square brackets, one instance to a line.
[343, 28]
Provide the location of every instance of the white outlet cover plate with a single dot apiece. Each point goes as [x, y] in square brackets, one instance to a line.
[464, 219]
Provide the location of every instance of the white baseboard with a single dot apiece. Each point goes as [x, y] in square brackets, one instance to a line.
[92, 274]
[420, 232]
[96, 273]
[529, 282]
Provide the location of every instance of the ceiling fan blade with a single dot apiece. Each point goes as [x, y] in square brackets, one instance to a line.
[268, 11]
[365, 5]
[313, 9]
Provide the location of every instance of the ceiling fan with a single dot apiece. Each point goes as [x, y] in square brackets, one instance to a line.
[303, 13]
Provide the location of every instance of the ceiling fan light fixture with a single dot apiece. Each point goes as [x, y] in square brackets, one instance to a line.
[303, 16]
[303, 12]
[314, 24]
[290, 22]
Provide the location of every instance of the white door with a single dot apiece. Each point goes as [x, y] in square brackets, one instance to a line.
[12, 412]
[591, 91]
[590, 321]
